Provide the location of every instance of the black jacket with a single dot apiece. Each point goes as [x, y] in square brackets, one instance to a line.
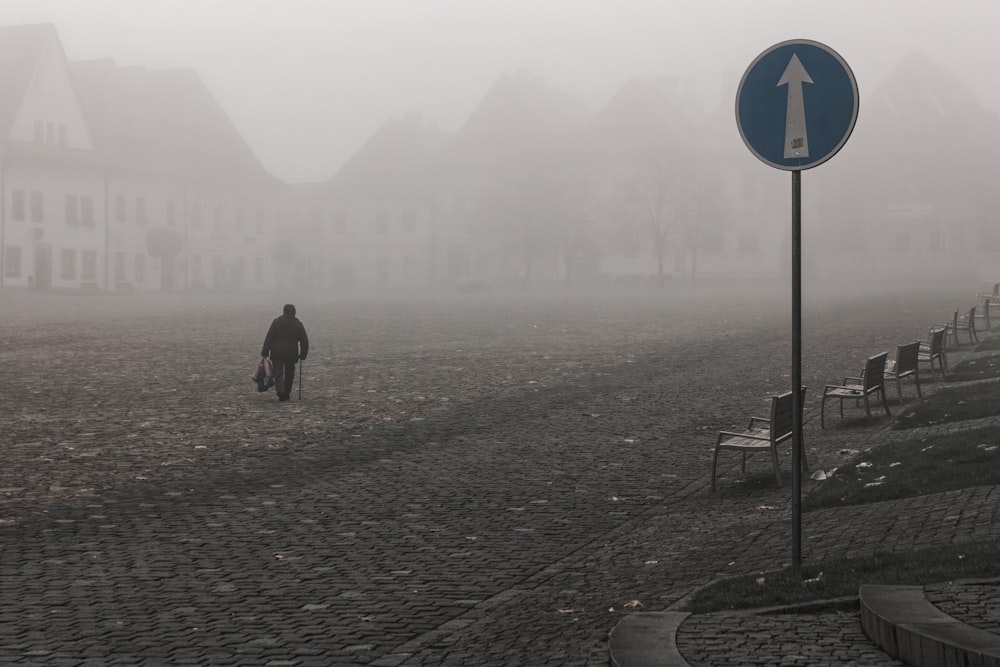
[286, 340]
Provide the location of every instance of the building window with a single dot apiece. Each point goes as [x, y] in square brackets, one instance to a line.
[140, 210]
[196, 214]
[120, 215]
[258, 270]
[712, 242]
[37, 207]
[382, 271]
[12, 262]
[63, 135]
[171, 213]
[72, 211]
[381, 222]
[17, 208]
[748, 244]
[239, 219]
[87, 211]
[239, 270]
[39, 132]
[196, 270]
[140, 267]
[89, 265]
[218, 271]
[119, 267]
[67, 261]
[409, 221]
[340, 222]
[936, 241]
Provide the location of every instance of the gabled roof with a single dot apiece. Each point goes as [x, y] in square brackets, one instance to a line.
[923, 107]
[646, 108]
[519, 113]
[398, 160]
[21, 47]
[163, 121]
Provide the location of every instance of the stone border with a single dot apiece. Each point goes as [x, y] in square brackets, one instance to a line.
[904, 624]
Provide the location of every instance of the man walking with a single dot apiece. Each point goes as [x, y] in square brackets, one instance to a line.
[286, 343]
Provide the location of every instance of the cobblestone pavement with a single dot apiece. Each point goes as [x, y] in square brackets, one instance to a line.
[491, 481]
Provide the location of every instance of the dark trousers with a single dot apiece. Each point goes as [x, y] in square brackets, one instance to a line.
[284, 376]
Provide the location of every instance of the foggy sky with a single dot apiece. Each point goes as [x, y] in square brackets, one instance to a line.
[308, 81]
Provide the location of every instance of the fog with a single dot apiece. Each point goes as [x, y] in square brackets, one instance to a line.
[307, 81]
[468, 146]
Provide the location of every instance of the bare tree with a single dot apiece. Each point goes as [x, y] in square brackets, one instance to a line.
[164, 244]
[535, 210]
[284, 255]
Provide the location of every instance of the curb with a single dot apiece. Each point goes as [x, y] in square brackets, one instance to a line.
[903, 623]
[647, 639]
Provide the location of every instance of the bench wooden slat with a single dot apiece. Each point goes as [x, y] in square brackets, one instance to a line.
[779, 429]
[872, 381]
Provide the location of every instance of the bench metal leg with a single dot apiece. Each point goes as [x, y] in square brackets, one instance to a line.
[715, 461]
[777, 470]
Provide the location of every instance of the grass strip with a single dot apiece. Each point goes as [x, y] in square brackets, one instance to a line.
[980, 368]
[905, 470]
[841, 577]
[952, 404]
[991, 343]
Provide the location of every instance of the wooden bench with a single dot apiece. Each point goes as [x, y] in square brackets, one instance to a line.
[762, 434]
[967, 323]
[964, 322]
[993, 297]
[872, 381]
[906, 364]
[982, 313]
[933, 350]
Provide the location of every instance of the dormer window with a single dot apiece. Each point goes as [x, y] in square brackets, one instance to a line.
[50, 133]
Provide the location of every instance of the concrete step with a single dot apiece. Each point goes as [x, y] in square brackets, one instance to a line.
[901, 621]
[647, 640]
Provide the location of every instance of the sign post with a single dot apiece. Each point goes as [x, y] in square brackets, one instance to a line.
[796, 106]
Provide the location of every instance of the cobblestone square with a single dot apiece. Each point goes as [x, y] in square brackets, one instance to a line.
[467, 480]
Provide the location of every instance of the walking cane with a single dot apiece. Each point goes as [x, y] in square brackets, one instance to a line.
[302, 365]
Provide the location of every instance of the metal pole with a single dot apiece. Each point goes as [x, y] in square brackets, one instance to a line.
[3, 217]
[797, 374]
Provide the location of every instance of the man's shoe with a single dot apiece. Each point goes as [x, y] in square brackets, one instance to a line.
[283, 397]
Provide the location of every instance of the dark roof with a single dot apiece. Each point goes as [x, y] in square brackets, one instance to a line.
[922, 107]
[642, 115]
[519, 113]
[165, 122]
[398, 160]
[20, 49]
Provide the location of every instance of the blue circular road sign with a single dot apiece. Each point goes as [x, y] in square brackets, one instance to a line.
[797, 104]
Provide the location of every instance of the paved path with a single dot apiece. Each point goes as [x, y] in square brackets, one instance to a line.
[464, 483]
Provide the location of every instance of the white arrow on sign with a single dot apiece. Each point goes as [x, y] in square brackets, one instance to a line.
[796, 136]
